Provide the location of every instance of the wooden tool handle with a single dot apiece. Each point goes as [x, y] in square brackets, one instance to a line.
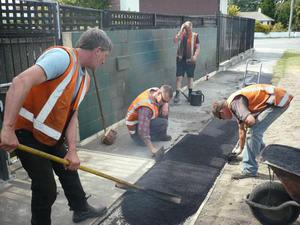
[66, 163]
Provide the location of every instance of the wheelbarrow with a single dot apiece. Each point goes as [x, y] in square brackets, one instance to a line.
[275, 203]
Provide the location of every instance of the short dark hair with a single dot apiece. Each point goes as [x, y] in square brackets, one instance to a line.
[94, 38]
[216, 108]
[167, 89]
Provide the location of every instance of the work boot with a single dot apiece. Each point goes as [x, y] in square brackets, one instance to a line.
[88, 212]
[190, 95]
[242, 175]
[165, 138]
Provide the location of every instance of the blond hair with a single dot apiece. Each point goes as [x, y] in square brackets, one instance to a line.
[167, 90]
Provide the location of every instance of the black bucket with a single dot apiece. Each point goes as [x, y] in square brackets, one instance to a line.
[197, 98]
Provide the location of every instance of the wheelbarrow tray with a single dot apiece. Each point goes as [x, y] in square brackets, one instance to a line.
[285, 162]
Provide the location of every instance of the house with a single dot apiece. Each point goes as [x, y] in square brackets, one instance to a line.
[172, 7]
[258, 16]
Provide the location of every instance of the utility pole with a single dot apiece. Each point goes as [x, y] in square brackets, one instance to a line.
[291, 17]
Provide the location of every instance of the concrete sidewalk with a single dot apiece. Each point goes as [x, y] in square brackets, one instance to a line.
[127, 161]
[225, 204]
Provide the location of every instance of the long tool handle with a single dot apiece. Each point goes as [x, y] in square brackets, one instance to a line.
[99, 101]
[66, 163]
[162, 195]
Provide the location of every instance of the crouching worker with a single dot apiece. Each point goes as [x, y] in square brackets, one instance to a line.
[255, 108]
[41, 112]
[147, 117]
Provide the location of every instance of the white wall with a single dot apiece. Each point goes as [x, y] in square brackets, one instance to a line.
[276, 35]
[130, 5]
[223, 6]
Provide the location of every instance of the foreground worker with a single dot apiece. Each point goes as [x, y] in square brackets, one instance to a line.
[147, 117]
[41, 112]
[186, 58]
[255, 107]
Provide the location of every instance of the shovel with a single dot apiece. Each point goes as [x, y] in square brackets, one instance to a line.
[158, 194]
[109, 135]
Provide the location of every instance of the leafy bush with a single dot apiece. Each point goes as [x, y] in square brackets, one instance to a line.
[233, 10]
[259, 27]
[278, 27]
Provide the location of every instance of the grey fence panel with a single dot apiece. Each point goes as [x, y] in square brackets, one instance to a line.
[236, 36]
[17, 54]
[27, 18]
[77, 19]
[140, 59]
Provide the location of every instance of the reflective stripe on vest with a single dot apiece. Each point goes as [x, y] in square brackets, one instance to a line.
[192, 44]
[193, 36]
[140, 103]
[39, 125]
[56, 93]
[261, 95]
[38, 122]
[132, 117]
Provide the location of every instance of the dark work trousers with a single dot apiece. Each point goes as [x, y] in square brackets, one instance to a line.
[158, 129]
[43, 185]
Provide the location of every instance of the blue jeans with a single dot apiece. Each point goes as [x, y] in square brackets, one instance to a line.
[254, 137]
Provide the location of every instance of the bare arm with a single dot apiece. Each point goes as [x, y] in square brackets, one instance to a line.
[149, 144]
[250, 120]
[71, 136]
[179, 34]
[197, 52]
[242, 136]
[165, 109]
[15, 98]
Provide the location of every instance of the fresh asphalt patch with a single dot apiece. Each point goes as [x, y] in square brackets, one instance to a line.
[188, 170]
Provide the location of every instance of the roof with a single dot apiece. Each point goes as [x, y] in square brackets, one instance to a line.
[255, 15]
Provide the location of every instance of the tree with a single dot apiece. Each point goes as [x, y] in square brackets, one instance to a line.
[268, 7]
[233, 10]
[246, 5]
[282, 12]
[95, 4]
[297, 16]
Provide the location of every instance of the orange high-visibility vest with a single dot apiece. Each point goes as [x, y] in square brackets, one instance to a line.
[190, 46]
[48, 106]
[261, 95]
[142, 100]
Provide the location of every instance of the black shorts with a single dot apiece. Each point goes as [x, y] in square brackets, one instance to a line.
[183, 67]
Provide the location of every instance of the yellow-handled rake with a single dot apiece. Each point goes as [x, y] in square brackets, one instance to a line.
[158, 194]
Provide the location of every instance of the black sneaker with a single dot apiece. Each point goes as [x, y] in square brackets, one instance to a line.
[89, 212]
[176, 99]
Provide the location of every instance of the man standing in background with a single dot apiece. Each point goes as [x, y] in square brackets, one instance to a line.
[187, 53]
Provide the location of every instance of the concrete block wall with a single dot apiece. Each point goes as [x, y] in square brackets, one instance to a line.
[140, 59]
